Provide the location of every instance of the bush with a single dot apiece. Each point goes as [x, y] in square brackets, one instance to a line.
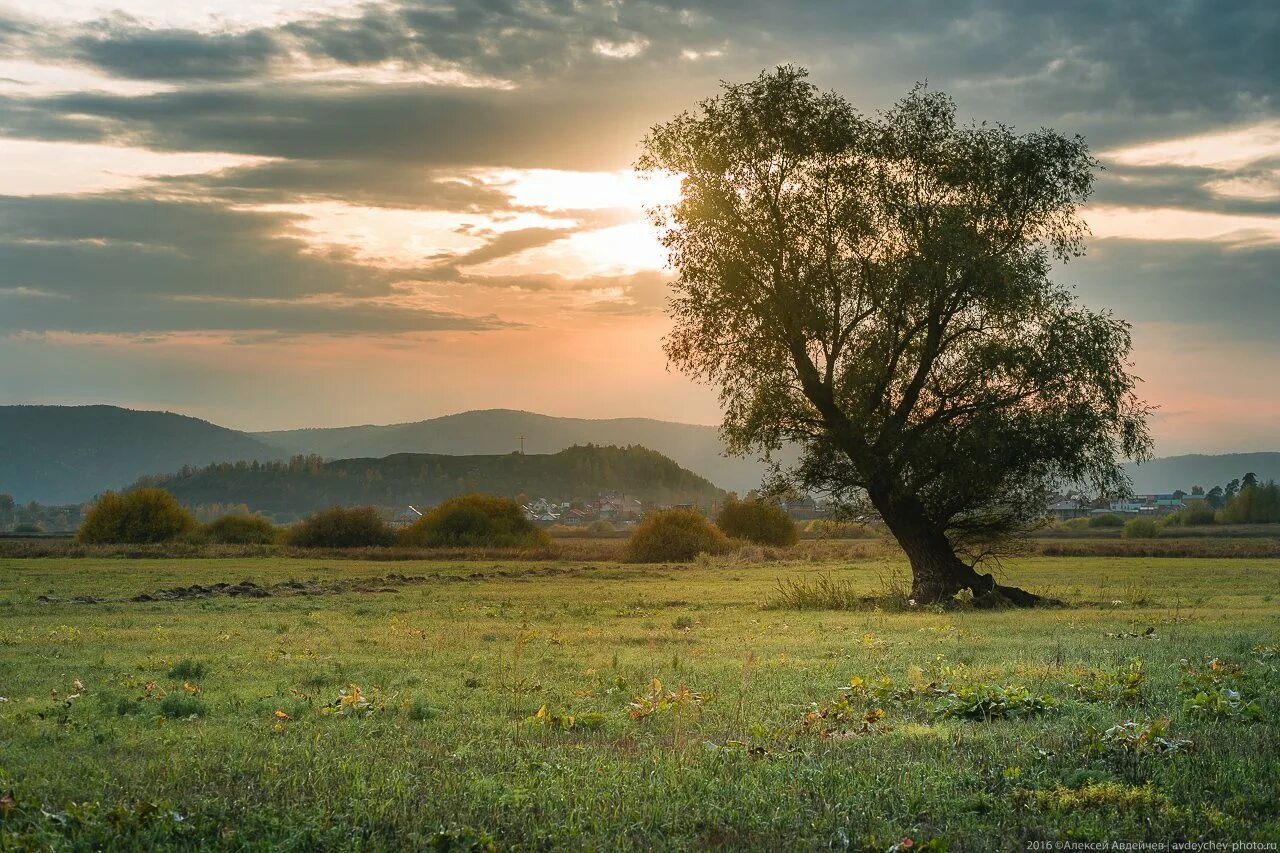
[476, 521]
[1141, 528]
[600, 528]
[1106, 519]
[27, 527]
[241, 530]
[1075, 523]
[1193, 516]
[677, 535]
[761, 522]
[141, 516]
[341, 527]
[188, 670]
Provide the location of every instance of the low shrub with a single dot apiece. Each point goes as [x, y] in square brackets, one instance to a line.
[241, 530]
[27, 527]
[341, 527]
[676, 535]
[137, 517]
[600, 528]
[188, 670]
[476, 521]
[761, 522]
[1080, 523]
[1194, 516]
[178, 705]
[1106, 519]
[1141, 528]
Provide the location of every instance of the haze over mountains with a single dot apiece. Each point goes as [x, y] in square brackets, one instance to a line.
[68, 454]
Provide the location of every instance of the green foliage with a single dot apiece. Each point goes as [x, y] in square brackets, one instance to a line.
[241, 530]
[341, 527]
[180, 705]
[1255, 503]
[1105, 519]
[820, 592]
[1221, 703]
[420, 710]
[601, 528]
[188, 670]
[1141, 528]
[758, 521]
[676, 535]
[892, 312]
[1139, 739]
[28, 527]
[564, 721]
[138, 516]
[983, 702]
[1075, 523]
[476, 521]
[1197, 515]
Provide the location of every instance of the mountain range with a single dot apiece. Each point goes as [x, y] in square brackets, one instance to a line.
[68, 454]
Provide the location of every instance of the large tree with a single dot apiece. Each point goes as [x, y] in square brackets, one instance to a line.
[875, 289]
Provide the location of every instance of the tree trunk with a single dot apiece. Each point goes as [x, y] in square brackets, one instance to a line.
[937, 574]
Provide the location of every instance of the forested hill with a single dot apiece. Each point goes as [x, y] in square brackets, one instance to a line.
[68, 454]
[290, 489]
[697, 448]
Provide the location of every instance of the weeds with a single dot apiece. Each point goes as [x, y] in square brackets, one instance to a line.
[822, 592]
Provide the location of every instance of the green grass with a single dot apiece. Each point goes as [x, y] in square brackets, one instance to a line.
[213, 723]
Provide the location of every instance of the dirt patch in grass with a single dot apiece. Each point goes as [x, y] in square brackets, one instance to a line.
[389, 583]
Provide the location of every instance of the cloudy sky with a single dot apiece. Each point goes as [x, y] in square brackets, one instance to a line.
[313, 213]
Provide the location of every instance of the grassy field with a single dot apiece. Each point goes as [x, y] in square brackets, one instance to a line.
[383, 705]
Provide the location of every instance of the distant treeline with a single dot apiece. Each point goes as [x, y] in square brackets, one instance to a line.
[37, 518]
[303, 484]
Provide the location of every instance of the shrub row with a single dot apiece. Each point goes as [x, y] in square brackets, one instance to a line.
[472, 521]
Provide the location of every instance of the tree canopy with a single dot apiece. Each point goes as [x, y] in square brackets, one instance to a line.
[876, 289]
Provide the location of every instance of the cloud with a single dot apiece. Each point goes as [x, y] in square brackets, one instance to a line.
[127, 263]
[123, 46]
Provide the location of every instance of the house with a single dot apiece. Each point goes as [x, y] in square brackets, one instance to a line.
[1064, 508]
[406, 517]
[616, 506]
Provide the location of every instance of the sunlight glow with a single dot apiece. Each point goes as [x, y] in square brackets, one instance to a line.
[1220, 150]
[1166, 223]
[29, 167]
[564, 190]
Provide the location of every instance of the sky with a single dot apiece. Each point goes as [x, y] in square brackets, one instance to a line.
[318, 213]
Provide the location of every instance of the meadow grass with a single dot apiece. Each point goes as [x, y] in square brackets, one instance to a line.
[515, 703]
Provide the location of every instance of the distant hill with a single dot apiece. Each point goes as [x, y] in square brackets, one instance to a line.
[490, 431]
[1182, 472]
[68, 454]
[293, 488]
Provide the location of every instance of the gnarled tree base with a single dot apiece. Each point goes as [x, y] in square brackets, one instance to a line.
[938, 584]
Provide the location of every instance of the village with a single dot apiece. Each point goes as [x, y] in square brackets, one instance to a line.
[614, 508]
